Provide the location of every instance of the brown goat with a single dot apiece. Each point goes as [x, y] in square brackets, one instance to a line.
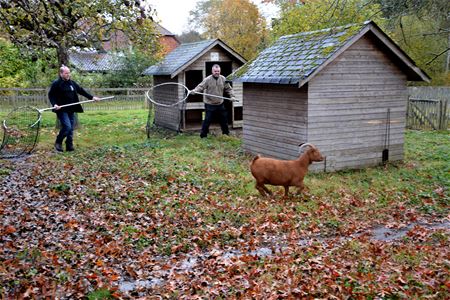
[283, 172]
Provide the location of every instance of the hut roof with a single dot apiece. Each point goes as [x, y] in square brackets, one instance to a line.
[185, 54]
[93, 61]
[296, 58]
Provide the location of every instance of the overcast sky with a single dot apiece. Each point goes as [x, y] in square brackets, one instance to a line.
[174, 14]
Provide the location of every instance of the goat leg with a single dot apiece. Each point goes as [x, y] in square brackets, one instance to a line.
[263, 190]
[286, 191]
[300, 186]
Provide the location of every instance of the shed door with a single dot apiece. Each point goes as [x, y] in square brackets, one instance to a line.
[225, 70]
[192, 79]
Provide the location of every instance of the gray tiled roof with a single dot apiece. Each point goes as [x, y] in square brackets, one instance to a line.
[292, 58]
[92, 61]
[163, 31]
[178, 58]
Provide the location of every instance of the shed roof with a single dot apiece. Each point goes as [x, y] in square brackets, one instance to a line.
[185, 54]
[93, 61]
[296, 58]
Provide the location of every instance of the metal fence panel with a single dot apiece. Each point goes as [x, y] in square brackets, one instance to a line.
[125, 98]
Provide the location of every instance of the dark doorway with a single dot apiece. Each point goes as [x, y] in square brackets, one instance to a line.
[225, 70]
[193, 78]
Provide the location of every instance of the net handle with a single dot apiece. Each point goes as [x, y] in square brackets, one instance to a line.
[71, 104]
[215, 96]
[188, 92]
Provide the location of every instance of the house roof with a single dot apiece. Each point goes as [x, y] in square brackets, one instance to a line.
[296, 58]
[96, 61]
[163, 31]
[93, 61]
[185, 54]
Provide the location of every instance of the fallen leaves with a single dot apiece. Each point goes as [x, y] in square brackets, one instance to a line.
[143, 225]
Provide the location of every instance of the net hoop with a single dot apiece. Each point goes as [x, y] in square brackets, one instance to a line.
[20, 132]
[157, 89]
[3, 142]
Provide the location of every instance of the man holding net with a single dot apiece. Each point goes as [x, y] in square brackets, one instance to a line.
[65, 91]
[214, 85]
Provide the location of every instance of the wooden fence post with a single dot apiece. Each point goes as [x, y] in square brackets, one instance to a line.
[443, 114]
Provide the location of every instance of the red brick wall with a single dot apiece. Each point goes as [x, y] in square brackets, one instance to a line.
[168, 43]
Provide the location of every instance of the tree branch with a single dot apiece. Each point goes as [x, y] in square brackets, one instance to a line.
[437, 56]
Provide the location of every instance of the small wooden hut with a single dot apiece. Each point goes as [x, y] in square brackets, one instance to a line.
[189, 64]
[342, 89]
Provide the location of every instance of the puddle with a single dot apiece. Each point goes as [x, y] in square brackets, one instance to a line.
[262, 252]
[188, 264]
[385, 234]
[380, 233]
[128, 286]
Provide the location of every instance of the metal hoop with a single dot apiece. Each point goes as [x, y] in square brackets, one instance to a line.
[165, 91]
[21, 131]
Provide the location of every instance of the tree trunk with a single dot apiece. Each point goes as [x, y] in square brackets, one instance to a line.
[447, 63]
[63, 55]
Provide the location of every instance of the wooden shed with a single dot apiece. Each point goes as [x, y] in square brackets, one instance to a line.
[189, 64]
[342, 89]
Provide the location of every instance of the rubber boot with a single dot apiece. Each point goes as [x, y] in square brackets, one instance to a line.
[69, 146]
[58, 147]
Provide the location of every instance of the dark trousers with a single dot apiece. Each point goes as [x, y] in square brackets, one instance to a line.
[67, 120]
[210, 112]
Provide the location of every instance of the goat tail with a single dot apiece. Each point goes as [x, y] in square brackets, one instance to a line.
[255, 158]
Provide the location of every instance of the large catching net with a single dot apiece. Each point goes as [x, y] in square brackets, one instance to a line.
[20, 131]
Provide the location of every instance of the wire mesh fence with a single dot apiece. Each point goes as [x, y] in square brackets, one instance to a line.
[428, 107]
[124, 98]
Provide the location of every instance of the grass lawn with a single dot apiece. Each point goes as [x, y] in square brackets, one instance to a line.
[178, 216]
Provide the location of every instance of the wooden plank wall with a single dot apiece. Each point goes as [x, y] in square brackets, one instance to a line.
[348, 103]
[199, 64]
[274, 119]
[167, 117]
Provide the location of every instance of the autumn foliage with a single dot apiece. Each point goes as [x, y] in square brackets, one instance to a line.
[178, 217]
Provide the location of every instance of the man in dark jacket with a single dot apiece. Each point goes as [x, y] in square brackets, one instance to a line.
[65, 91]
[215, 84]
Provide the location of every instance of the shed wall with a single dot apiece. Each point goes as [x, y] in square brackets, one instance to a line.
[199, 64]
[167, 117]
[348, 103]
[274, 119]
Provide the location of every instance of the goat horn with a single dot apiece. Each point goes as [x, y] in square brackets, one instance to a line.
[301, 146]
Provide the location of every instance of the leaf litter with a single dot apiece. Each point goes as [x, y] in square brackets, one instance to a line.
[135, 227]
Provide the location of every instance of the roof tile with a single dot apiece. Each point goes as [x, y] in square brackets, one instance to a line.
[178, 57]
[93, 61]
[294, 57]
